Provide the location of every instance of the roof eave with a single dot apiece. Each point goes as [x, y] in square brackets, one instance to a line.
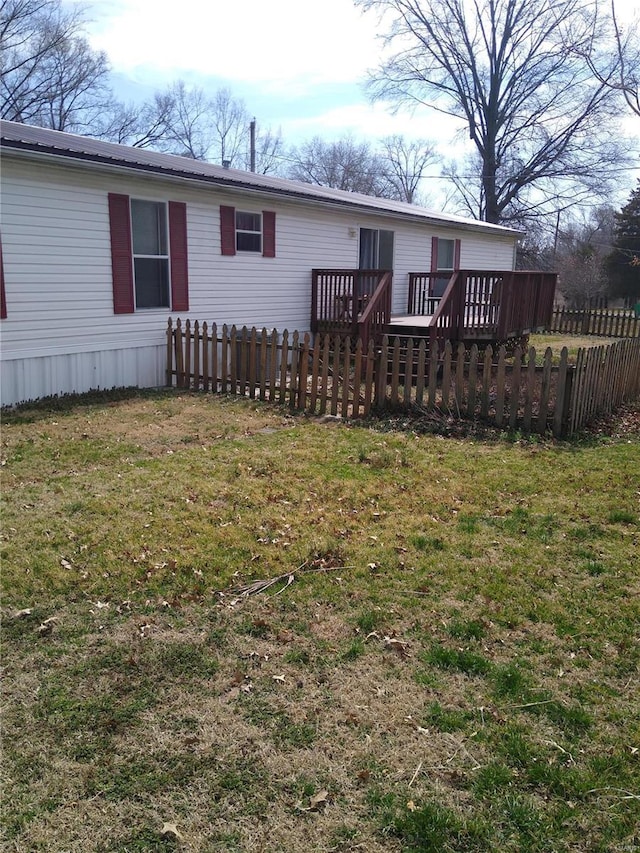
[40, 151]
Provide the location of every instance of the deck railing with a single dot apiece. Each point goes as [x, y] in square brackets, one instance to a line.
[340, 297]
[489, 304]
[422, 299]
[377, 312]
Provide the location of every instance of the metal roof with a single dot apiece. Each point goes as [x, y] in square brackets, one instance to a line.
[69, 146]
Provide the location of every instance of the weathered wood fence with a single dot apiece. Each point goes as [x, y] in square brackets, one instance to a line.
[592, 321]
[523, 390]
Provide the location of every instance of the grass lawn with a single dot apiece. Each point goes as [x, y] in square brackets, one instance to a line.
[450, 661]
[572, 342]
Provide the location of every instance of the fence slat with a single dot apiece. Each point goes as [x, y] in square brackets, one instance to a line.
[357, 379]
[514, 390]
[187, 354]
[562, 387]
[459, 386]
[283, 366]
[326, 355]
[500, 386]
[446, 377]
[264, 373]
[196, 356]
[169, 354]
[541, 424]
[294, 375]
[273, 365]
[346, 370]
[369, 378]
[337, 374]
[205, 356]
[179, 356]
[395, 374]
[473, 381]
[485, 397]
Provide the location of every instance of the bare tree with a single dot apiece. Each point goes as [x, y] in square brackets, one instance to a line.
[144, 125]
[512, 70]
[190, 128]
[405, 163]
[50, 76]
[231, 123]
[617, 63]
[345, 165]
[581, 247]
[193, 124]
[393, 170]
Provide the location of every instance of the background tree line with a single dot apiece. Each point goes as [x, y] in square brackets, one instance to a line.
[538, 87]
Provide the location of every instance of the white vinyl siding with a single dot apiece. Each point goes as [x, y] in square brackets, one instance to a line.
[61, 333]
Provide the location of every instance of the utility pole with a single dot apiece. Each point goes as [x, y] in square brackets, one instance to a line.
[252, 146]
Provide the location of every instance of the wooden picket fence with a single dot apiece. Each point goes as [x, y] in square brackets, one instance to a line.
[595, 321]
[517, 391]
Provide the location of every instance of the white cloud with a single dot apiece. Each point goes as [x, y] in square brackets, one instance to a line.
[276, 44]
[377, 120]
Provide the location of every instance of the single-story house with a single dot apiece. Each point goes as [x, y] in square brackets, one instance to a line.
[102, 243]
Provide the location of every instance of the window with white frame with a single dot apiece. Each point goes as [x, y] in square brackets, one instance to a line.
[446, 254]
[248, 231]
[445, 261]
[150, 253]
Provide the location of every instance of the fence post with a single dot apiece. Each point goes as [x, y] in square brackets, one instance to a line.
[178, 351]
[380, 373]
[187, 353]
[169, 380]
[563, 389]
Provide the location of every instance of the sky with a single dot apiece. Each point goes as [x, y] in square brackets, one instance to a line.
[300, 66]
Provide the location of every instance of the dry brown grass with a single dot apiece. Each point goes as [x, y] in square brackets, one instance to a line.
[455, 664]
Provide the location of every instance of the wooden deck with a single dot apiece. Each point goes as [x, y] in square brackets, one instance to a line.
[477, 306]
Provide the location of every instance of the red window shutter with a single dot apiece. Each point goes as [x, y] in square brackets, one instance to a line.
[179, 256]
[3, 298]
[121, 253]
[268, 234]
[228, 229]
[456, 255]
[434, 254]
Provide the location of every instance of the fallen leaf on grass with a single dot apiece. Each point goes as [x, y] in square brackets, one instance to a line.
[319, 799]
[398, 646]
[171, 829]
[46, 627]
[316, 802]
[279, 678]
[22, 614]
[238, 677]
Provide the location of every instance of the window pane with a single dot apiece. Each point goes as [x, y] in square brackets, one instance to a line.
[385, 253]
[148, 224]
[248, 221]
[445, 254]
[152, 282]
[368, 248]
[248, 242]
[439, 285]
